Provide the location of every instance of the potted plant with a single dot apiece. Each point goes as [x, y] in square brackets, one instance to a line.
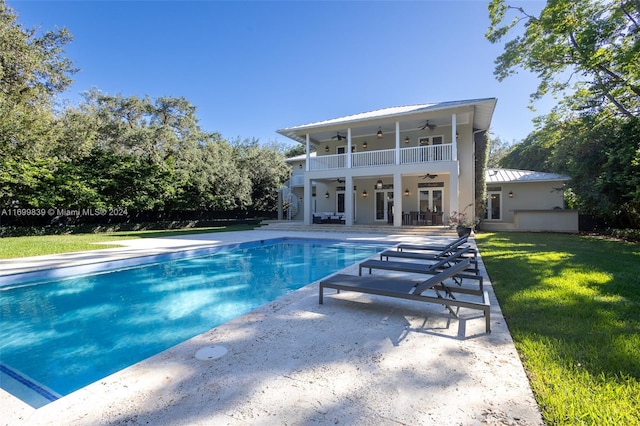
[462, 222]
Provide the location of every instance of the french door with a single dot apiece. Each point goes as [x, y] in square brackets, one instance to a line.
[431, 200]
[494, 206]
[384, 205]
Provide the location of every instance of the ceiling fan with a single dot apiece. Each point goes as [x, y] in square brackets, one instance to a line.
[430, 176]
[340, 180]
[338, 136]
[430, 126]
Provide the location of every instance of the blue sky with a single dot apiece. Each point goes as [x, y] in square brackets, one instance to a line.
[251, 68]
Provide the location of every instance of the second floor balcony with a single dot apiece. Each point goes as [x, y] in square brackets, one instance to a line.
[385, 157]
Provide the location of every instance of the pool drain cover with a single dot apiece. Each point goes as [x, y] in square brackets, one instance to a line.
[211, 352]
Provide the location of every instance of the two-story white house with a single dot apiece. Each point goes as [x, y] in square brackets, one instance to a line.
[408, 165]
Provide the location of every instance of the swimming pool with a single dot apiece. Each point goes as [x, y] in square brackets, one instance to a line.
[59, 335]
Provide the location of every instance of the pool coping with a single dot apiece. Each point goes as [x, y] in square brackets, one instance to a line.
[174, 387]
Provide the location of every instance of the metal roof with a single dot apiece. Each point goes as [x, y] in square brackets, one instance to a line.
[511, 176]
[482, 114]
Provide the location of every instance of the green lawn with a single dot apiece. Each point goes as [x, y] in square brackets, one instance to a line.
[13, 247]
[572, 304]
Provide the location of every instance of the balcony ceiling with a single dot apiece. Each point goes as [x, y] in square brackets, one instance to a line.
[411, 118]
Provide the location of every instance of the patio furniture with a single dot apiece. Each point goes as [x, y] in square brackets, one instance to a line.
[432, 252]
[407, 289]
[328, 217]
[414, 218]
[434, 247]
[317, 218]
[424, 268]
[336, 218]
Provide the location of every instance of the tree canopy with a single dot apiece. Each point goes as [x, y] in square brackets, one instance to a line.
[112, 151]
[586, 51]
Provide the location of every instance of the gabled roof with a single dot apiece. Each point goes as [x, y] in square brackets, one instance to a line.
[482, 114]
[512, 176]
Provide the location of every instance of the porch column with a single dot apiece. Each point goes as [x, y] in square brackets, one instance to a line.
[308, 152]
[348, 201]
[308, 201]
[349, 148]
[397, 144]
[397, 199]
[454, 140]
[454, 193]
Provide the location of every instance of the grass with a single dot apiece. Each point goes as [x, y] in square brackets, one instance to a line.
[572, 304]
[14, 247]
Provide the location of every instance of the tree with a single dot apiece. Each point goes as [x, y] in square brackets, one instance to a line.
[114, 151]
[295, 150]
[266, 169]
[600, 154]
[589, 47]
[32, 70]
[498, 148]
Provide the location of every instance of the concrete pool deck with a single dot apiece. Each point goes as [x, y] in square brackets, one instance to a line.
[356, 359]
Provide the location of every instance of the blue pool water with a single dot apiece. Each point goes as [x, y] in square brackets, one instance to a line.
[60, 335]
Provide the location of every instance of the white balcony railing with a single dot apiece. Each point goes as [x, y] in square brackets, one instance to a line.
[425, 154]
[326, 162]
[385, 157]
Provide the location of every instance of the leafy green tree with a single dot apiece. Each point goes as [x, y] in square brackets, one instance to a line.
[266, 169]
[589, 47]
[498, 148]
[114, 151]
[600, 154]
[32, 70]
[294, 151]
[223, 185]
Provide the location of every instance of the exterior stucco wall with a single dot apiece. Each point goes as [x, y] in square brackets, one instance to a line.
[546, 220]
[467, 172]
[530, 196]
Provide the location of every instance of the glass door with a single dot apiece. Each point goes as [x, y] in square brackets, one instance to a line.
[384, 206]
[340, 202]
[431, 200]
[494, 206]
[431, 204]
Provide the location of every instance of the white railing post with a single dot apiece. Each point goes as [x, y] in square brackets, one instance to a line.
[397, 153]
[454, 142]
[349, 153]
[308, 152]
